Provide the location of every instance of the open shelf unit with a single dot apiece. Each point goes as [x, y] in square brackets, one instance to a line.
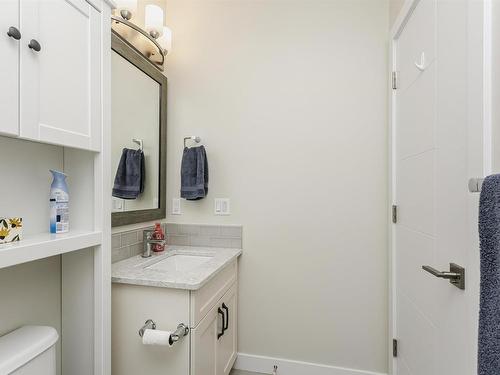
[61, 280]
[46, 245]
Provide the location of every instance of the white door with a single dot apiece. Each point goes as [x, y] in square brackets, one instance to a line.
[9, 66]
[227, 343]
[437, 146]
[60, 72]
[204, 343]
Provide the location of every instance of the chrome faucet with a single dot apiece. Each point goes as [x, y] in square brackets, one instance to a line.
[148, 241]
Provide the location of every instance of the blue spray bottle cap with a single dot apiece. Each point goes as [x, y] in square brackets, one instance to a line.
[59, 180]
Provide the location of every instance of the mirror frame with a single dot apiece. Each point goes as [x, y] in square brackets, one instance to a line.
[128, 52]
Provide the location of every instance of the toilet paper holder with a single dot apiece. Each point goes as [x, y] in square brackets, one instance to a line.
[181, 331]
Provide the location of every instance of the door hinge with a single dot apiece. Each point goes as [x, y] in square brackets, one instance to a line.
[394, 80]
[394, 213]
[394, 348]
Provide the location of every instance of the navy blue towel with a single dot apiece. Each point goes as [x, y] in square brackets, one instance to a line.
[489, 309]
[194, 173]
[130, 175]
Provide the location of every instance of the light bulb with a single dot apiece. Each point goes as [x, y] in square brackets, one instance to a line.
[165, 41]
[154, 20]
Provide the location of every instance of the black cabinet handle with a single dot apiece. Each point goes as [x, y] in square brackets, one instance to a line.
[34, 45]
[14, 33]
[227, 316]
[220, 312]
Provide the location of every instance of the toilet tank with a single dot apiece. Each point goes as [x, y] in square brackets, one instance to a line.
[29, 350]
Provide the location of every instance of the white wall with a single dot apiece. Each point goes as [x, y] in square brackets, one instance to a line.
[394, 9]
[290, 98]
[495, 75]
[26, 181]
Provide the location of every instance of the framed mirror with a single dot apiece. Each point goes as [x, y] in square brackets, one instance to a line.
[139, 122]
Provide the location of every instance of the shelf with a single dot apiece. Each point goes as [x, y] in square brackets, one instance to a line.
[46, 245]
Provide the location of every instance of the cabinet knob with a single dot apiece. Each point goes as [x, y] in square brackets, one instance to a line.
[34, 45]
[14, 33]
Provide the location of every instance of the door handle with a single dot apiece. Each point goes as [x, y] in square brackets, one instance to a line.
[14, 33]
[34, 45]
[227, 316]
[456, 275]
[220, 312]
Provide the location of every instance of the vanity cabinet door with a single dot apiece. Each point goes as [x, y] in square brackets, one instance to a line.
[60, 73]
[227, 344]
[204, 344]
[9, 67]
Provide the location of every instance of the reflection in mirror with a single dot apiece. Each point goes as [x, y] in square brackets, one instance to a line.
[135, 115]
[138, 124]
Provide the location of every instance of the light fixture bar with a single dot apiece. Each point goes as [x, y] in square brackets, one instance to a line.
[160, 49]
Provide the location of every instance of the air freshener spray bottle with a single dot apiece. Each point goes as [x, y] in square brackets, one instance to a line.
[59, 203]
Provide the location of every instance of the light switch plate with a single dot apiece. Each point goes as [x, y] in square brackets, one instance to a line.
[222, 206]
[176, 206]
[117, 204]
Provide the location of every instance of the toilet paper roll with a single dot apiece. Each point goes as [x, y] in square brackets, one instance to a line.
[156, 337]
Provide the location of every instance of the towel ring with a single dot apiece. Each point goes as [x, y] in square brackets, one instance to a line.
[140, 142]
[192, 138]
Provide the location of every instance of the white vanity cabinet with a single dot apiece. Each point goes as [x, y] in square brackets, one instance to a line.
[55, 71]
[210, 312]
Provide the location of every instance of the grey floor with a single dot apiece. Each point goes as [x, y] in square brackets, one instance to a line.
[241, 372]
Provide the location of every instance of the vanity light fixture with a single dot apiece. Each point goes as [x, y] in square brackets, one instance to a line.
[127, 8]
[154, 41]
[165, 40]
[154, 20]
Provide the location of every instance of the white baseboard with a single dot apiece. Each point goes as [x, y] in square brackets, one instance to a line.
[264, 365]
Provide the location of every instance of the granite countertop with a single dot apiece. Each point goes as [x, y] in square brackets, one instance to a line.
[147, 271]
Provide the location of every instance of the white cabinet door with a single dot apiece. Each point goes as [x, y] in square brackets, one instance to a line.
[204, 344]
[226, 351]
[60, 82]
[9, 67]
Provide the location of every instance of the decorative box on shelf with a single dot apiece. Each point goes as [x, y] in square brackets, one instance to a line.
[11, 229]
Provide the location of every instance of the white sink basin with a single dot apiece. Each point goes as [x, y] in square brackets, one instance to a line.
[179, 263]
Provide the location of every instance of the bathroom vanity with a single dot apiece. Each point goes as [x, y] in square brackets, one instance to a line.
[195, 286]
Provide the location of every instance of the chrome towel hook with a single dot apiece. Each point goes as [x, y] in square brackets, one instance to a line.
[421, 66]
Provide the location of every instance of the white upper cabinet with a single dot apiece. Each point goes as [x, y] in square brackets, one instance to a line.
[60, 73]
[9, 67]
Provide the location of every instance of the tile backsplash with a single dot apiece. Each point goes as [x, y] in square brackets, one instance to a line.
[129, 243]
[229, 236]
